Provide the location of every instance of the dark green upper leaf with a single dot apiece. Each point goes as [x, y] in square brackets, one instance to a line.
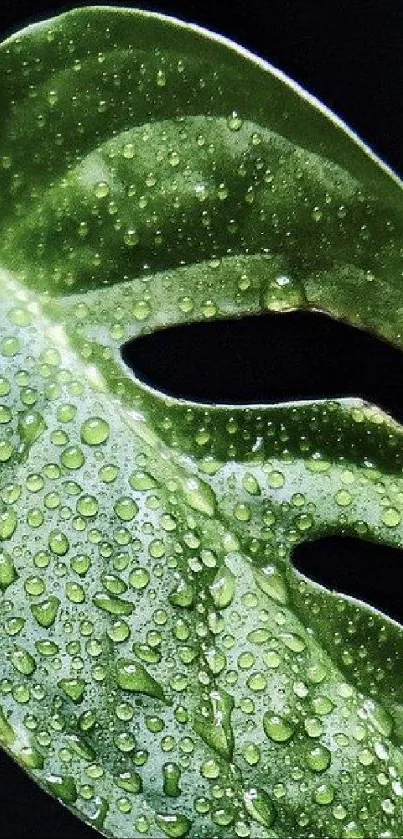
[165, 671]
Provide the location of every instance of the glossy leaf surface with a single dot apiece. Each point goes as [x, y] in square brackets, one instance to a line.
[165, 670]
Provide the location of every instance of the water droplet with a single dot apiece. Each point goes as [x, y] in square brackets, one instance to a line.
[324, 794]
[101, 189]
[213, 723]
[276, 479]
[142, 481]
[75, 593]
[7, 733]
[223, 587]
[353, 830]
[131, 237]
[139, 578]
[72, 458]
[130, 782]
[45, 612]
[175, 826]
[8, 573]
[126, 509]
[112, 605]
[271, 582]
[272, 659]
[277, 728]
[260, 807]
[73, 688]
[391, 517]
[94, 431]
[318, 758]
[343, 498]
[47, 648]
[58, 543]
[8, 524]
[62, 787]
[199, 496]
[128, 151]
[81, 564]
[242, 512]
[133, 677]
[234, 121]
[30, 757]
[87, 506]
[251, 485]
[379, 717]
[293, 642]
[183, 595]
[23, 661]
[171, 775]
[174, 158]
[322, 705]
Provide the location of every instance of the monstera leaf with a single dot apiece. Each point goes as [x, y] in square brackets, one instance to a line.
[165, 671]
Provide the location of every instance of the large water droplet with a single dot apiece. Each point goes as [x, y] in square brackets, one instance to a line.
[213, 723]
[62, 787]
[223, 587]
[7, 571]
[199, 496]
[260, 807]
[318, 758]
[176, 826]
[73, 688]
[46, 611]
[112, 605]
[271, 582]
[94, 431]
[8, 524]
[277, 728]
[171, 775]
[23, 661]
[132, 676]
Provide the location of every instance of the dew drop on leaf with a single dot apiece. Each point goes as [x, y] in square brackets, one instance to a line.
[260, 807]
[277, 728]
[95, 431]
[133, 677]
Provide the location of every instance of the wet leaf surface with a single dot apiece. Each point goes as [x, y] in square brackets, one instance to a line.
[165, 669]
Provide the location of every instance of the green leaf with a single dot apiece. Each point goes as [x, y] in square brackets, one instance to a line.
[165, 670]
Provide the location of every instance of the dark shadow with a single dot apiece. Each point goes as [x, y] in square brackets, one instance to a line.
[364, 570]
[29, 813]
[270, 358]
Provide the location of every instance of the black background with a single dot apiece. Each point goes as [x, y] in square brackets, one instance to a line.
[349, 55]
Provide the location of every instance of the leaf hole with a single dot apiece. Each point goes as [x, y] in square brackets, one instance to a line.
[368, 571]
[269, 358]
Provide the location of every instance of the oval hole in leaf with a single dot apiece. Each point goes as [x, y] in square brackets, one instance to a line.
[269, 358]
[368, 571]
